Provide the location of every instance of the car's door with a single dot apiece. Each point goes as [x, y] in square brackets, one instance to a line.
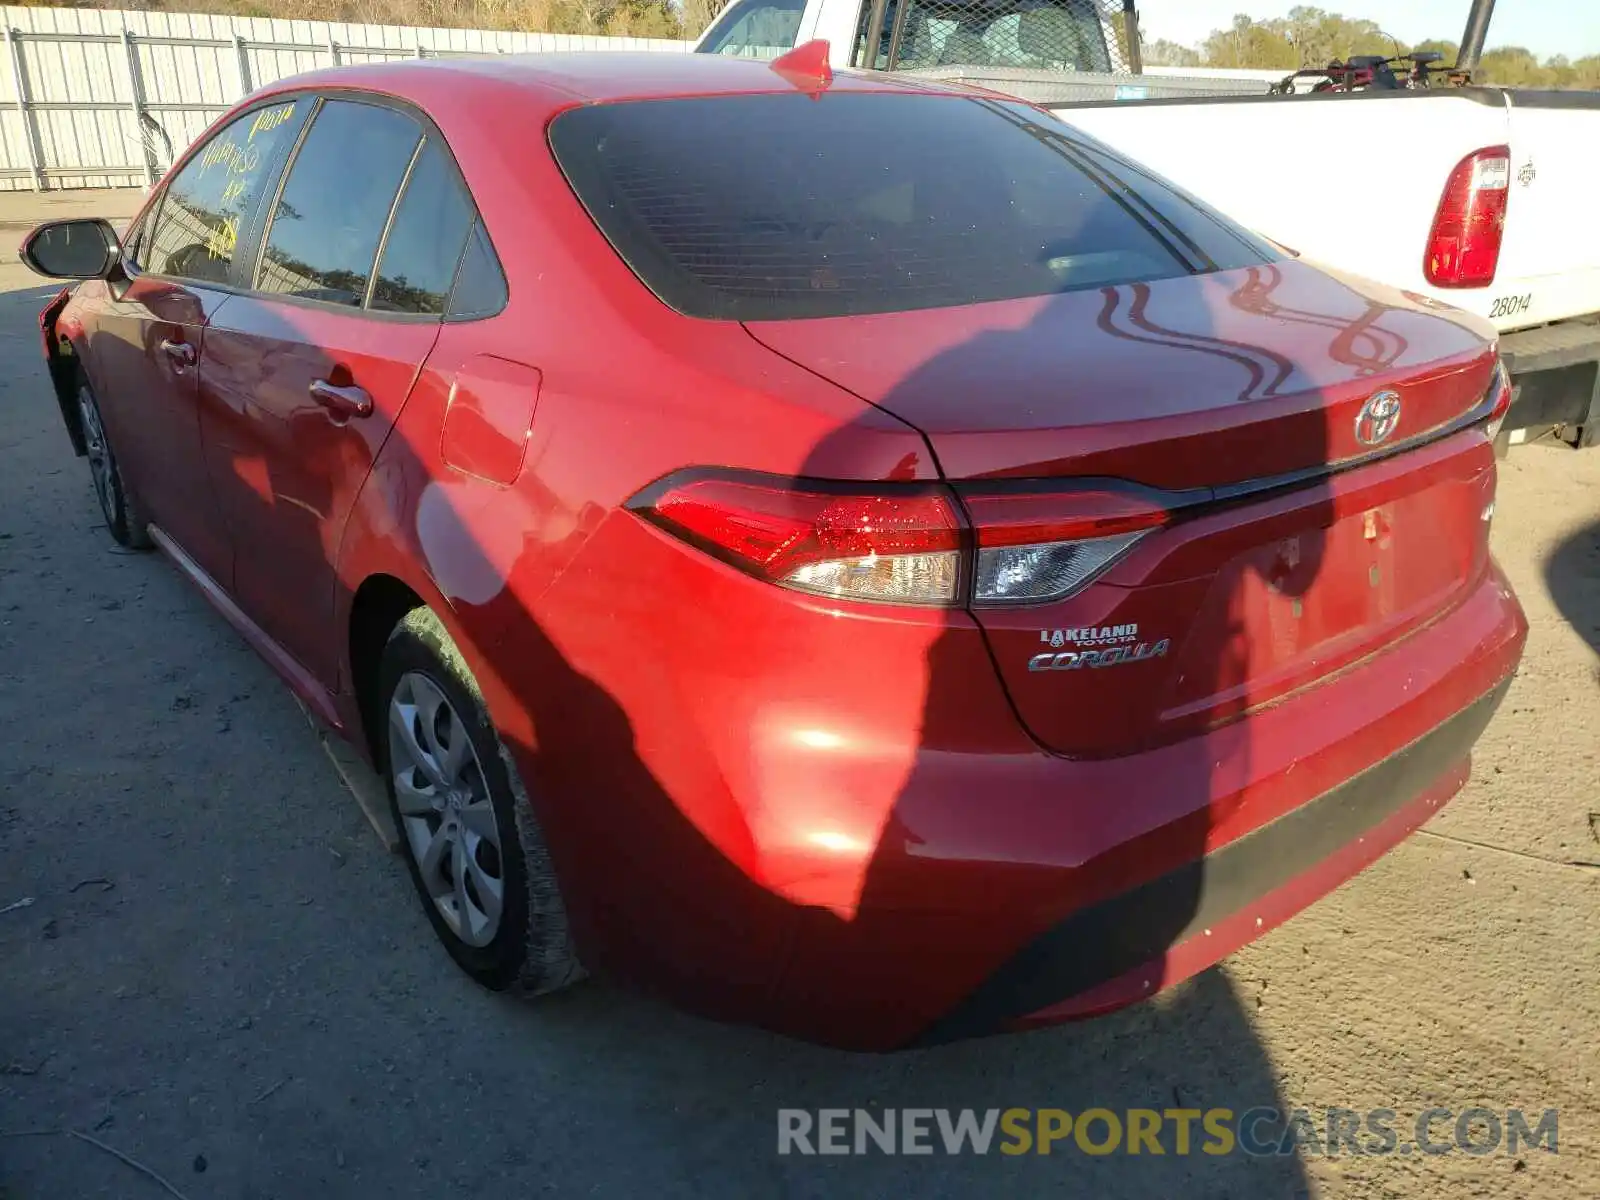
[150, 334]
[306, 371]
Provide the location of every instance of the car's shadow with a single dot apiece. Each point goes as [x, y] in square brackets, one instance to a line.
[1572, 573]
[714, 1092]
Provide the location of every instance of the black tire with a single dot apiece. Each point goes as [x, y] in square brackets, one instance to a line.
[118, 503]
[531, 950]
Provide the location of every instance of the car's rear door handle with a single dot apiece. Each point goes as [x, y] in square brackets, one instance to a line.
[349, 401]
[181, 353]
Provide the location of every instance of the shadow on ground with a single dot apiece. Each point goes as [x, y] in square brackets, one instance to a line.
[1573, 575]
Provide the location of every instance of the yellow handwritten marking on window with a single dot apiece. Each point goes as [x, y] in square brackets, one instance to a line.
[221, 151]
[232, 192]
[241, 158]
[223, 239]
[269, 118]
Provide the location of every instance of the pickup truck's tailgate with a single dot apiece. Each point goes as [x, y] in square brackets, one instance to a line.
[1351, 181]
[1550, 259]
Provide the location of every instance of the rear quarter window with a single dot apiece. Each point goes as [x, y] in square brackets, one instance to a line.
[426, 236]
[767, 207]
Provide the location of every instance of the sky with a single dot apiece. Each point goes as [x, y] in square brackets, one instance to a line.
[1570, 27]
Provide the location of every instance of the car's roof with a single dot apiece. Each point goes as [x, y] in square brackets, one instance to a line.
[560, 80]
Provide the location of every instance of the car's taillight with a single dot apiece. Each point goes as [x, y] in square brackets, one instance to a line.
[895, 546]
[1464, 245]
[903, 545]
[1037, 546]
[1500, 391]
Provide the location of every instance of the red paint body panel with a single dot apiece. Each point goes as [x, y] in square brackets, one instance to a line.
[154, 414]
[286, 469]
[833, 818]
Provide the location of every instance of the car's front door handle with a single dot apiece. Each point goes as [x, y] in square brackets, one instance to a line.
[348, 401]
[181, 353]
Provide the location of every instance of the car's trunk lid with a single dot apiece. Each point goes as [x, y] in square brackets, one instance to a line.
[1239, 400]
[1195, 381]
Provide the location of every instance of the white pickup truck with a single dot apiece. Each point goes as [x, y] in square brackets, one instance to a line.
[1480, 197]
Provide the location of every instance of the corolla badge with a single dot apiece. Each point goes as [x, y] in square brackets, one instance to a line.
[1378, 418]
[1112, 645]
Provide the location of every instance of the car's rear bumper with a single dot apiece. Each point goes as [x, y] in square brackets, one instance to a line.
[1555, 374]
[1035, 893]
[1228, 898]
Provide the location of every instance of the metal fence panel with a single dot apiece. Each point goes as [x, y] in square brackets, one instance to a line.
[81, 86]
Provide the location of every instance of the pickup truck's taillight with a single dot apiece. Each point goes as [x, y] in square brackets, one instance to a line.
[902, 544]
[1464, 245]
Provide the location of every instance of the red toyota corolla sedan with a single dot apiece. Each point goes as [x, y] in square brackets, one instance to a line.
[841, 553]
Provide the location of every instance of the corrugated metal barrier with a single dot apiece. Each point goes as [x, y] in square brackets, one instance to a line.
[91, 97]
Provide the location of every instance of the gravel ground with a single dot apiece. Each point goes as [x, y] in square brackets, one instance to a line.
[223, 976]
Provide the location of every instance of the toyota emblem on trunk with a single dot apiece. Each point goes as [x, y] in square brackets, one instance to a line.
[1378, 418]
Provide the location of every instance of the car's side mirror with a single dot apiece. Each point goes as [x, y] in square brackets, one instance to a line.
[83, 248]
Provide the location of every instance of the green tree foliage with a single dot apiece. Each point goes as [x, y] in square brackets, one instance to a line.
[1248, 43]
[1512, 66]
[1162, 53]
[622, 18]
[1450, 50]
[1313, 37]
[1307, 36]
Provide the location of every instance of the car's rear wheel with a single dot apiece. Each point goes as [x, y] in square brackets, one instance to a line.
[117, 503]
[467, 830]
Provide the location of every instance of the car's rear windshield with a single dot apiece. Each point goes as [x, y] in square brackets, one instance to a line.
[771, 207]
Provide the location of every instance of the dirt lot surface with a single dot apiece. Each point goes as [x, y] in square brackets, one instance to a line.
[221, 974]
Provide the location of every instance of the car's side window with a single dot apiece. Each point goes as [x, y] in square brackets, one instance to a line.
[335, 203]
[425, 238]
[214, 196]
[133, 240]
[480, 286]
